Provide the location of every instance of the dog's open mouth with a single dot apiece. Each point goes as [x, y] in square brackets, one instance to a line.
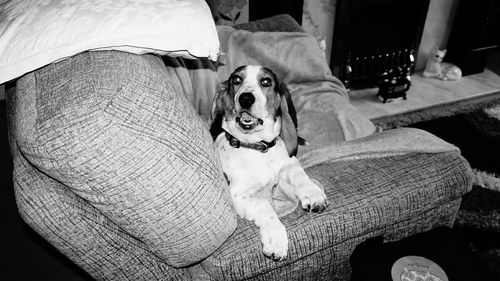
[247, 121]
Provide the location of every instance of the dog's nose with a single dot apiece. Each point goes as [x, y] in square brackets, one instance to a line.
[246, 100]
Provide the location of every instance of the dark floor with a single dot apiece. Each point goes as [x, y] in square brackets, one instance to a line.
[478, 149]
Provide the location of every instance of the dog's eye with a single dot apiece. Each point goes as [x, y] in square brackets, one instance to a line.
[237, 80]
[266, 82]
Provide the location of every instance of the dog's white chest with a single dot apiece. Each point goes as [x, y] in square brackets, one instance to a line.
[251, 166]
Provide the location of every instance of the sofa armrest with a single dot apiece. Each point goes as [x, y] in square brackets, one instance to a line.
[111, 128]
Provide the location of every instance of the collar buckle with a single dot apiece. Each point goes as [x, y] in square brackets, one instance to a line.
[264, 147]
[234, 142]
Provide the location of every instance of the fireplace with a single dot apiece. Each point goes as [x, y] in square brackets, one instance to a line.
[376, 36]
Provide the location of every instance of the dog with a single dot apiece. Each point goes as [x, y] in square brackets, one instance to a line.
[254, 125]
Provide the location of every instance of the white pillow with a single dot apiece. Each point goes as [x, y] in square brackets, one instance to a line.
[36, 33]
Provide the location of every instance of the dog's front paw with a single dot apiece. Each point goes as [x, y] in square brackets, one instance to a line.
[275, 242]
[312, 197]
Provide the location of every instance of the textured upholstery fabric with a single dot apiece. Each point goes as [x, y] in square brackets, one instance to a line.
[110, 128]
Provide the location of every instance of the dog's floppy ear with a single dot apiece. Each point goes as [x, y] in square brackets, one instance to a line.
[288, 120]
[218, 110]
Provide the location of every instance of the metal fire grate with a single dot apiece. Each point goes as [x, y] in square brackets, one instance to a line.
[369, 70]
[374, 37]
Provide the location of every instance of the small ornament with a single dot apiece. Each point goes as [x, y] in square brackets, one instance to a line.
[394, 84]
[435, 67]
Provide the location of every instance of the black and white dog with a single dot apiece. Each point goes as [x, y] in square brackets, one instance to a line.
[254, 124]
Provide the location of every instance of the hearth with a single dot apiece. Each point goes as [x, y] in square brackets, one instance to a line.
[373, 37]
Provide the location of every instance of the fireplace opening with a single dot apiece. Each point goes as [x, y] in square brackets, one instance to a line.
[373, 37]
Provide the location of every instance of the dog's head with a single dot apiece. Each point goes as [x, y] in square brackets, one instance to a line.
[254, 105]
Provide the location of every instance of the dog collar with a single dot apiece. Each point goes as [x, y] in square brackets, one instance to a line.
[261, 146]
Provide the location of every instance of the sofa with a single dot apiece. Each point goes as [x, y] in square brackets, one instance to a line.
[114, 165]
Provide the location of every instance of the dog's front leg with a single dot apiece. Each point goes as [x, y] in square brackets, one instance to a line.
[272, 231]
[309, 192]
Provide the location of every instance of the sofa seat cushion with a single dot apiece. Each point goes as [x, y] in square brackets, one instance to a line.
[406, 189]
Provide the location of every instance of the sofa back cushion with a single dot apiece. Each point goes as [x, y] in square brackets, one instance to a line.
[112, 128]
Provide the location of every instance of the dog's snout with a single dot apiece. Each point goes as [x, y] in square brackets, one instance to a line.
[246, 100]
